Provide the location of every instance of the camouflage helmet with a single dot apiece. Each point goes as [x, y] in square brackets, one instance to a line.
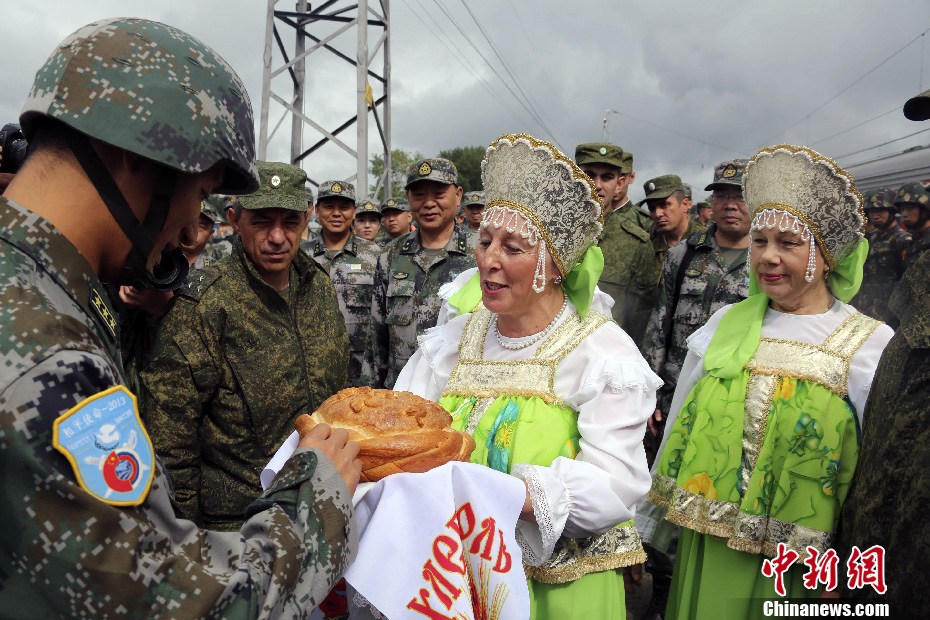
[152, 90]
[915, 193]
[882, 198]
[214, 207]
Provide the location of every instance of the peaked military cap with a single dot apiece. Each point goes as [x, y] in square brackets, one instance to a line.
[473, 198]
[728, 174]
[338, 189]
[602, 153]
[435, 169]
[662, 187]
[282, 187]
[368, 206]
[396, 204]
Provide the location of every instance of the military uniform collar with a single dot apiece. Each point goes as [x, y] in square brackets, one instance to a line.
[302, 264]
[458, 242]
[56, 255]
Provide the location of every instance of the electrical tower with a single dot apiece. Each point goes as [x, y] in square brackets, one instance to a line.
[325, 30]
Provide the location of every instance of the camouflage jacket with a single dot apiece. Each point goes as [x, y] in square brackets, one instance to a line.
[660, 245]
[886, 503]
[709, 284]
[888, 250]
[631, 271]
[218, 249]
[234, 365]
[920, 243]
[406, 300]
[352, 270]
[66, 554]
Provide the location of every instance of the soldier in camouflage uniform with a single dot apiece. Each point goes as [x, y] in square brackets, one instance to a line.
[669, 207]
[217, 247]
[888, 249]
[395, 219]
[91, 533]
[473, 203]
[631, 272]
[914, 202]
[886, 504]
[250, 343]
[367, 222]
[350, 262]
[699, 277]
[410, 271]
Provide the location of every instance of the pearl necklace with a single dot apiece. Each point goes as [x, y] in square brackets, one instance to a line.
[533, 338]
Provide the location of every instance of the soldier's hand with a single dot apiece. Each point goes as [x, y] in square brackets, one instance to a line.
[632, 577]
[653, 422]
[334, 444]
[152, 302]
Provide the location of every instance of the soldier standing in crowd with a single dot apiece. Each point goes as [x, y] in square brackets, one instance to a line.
[219, 245]
[703, 211]
[631, 272]
[473, 203]
[886, 504]
[249, 344]
[367, 222]
[888, 249]
[80, 538]
[406, 299]
[914, 202]
[669, 207]
[395, 219]
[350, 262]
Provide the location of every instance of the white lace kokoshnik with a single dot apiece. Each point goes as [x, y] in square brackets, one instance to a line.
[609, 384]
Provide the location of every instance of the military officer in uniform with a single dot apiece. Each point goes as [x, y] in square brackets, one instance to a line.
[249, 344]
[395, 219]
[888, 249]
[367, 222]
[669, 206]
[410, 271]
[914, 202]
[631, 271]
[473, 204]
[350, 262]
[89, 522]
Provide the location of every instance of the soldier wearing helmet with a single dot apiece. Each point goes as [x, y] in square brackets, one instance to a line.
[131, 123]
[888, 250]
[914, 202]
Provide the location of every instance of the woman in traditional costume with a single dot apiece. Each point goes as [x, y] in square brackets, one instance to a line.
[551, 389]
[770, 399]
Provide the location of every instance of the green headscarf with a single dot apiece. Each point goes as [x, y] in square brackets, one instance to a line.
[737, 337]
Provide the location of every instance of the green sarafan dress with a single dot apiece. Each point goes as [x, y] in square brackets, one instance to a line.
[512, 411]
[762, 458]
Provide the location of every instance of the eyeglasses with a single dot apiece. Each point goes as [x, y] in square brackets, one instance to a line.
[725, 198]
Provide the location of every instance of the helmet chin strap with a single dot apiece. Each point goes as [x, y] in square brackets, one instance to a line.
[171, 271]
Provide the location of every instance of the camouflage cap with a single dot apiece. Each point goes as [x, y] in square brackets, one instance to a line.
[395, 204]
[435, 169]
[310, 198]
[662, 187]
[214, 207]
[282, 187]
[728, 174]
[601, 153]
[702, 205]
[153, 90]
[914, 193]
[918, 108]
[368, 206]
[473, 198]
[686, 188]
[627, 165]
[337, 189]
[882, 198]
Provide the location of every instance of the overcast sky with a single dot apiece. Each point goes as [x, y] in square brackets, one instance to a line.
[691, 83]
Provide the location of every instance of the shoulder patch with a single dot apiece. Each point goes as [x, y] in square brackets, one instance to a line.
[106, 443]
[198, 282]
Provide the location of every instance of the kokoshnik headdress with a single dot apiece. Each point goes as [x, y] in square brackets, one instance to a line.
[798, 189]
[526, 177]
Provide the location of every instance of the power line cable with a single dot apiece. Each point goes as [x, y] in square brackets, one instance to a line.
[840, 133]
[678, 133]
[910, 135]
[862, 77]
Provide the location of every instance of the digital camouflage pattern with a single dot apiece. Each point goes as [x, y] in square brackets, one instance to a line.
[155, 91]
[63, 553]
[400, 204]
[282, 187]
[368, 206]
[631, 271]
[888, 251]
[337, 189]
[887, 501]
[406, 300]
[352, 270]
[710, 282]
[662, 187]
[235, 363]
[728, 175]
[473, 198]
[602, 153]
[434, 169]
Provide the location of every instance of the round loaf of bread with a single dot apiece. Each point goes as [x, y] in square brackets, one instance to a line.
[396, 431]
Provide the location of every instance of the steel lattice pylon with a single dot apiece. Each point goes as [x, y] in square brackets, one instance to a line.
[323, 29]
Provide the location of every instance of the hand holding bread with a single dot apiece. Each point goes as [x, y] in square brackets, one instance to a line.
[334, 444]
[396, 431]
